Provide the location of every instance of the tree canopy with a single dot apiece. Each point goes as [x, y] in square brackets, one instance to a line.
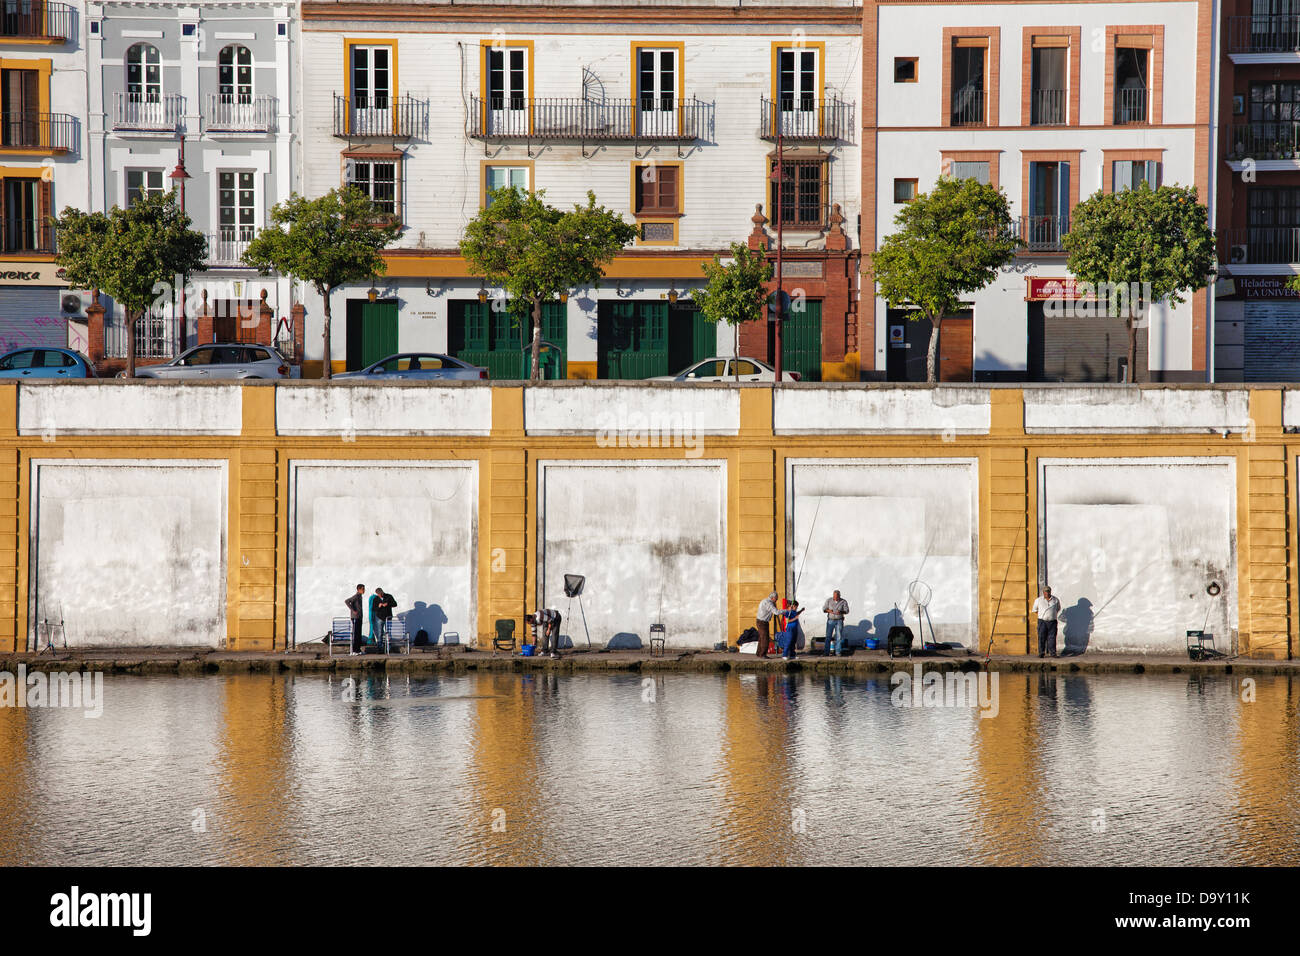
[536, 252]
[737, 290]
[330, 241]
[132, 255]
[948, 243]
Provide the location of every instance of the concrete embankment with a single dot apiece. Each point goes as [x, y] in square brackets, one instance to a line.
[179, 662]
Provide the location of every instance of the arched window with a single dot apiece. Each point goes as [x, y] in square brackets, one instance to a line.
[143, 74]
[235, 75]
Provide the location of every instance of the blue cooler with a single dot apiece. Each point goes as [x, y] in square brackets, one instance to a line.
[527, 650]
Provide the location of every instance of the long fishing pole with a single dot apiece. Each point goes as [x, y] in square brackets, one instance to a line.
[998, 607]
[807, 544]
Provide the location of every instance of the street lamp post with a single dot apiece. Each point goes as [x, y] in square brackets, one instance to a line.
[778, 178]
[178, 177]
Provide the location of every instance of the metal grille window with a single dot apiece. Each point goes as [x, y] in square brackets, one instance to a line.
[656, 189]
[236, 203]
[1274, 102]
[235, 75]
[143, 73]
[978, 171]
[141, 183]
[378, 180]
[155, 336]
[800, 198]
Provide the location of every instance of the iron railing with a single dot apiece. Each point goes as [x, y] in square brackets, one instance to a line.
[148, 112]
[156, 337]
[1043, 233]
[1131, 105]
[1264, 141]
[27, 235]
[1264, 34]
[401, 117]
[1269, 245]
[968, 107]
[37, 19]
[806, 119]
[235, 114]
[31, 130]
[1047, 108]
[574, 118]
[227, 247]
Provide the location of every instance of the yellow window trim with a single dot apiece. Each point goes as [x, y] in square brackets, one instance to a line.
[820, 47]
[482, 175]
[657, 220]
[484, 47]
[680, 47]
[44, 66]
[677, 164]
[348, 44]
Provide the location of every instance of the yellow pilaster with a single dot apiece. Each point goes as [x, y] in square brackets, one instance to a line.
[259, 616]
[508, 483]
[13, 523]
[1007, 527]
[1264, 532]
[755, 561]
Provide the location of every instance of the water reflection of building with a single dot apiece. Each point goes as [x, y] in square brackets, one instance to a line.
[505, 776]
[758, 789]
[1010, 787]
[15, 787]
[256, 782]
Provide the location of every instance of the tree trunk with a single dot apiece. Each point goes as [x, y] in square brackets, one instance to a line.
[131, 319]
[327, 366]
[932, 356]
[735, 358]
[1132, 349]
[537, 339]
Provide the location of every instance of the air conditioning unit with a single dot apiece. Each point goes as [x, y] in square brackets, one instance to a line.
[1239, 255]
[73, 303]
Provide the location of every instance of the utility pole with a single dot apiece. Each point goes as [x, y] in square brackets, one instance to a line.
[779, 176]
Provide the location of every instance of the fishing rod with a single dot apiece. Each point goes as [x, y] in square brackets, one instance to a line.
[807, 544]
[998, 607]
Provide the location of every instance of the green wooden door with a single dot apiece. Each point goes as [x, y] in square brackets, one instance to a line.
[801, 342]
[635, 343]
[378, 331]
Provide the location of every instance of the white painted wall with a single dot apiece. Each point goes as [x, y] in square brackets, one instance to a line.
[1129, 547]
[1094, 408]
[809, 410]
[871, 528]
[650, 537]
[365, 409]
[129, 408]
[130, 553]
[410, 528]
[667, 410]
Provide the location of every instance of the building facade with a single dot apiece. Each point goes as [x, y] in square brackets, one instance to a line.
[196, 98]
[42, 169]
[1257, 155]
[1052, 102]
[669, 114]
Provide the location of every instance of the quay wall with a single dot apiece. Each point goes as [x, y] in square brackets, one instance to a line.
[242, 515]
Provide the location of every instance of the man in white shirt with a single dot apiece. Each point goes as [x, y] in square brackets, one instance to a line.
[764, 621]
[1048, 609]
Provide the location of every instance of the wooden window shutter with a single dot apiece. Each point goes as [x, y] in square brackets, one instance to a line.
[44, 210]
[667, 177]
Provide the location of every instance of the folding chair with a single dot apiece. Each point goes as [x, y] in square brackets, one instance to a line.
[340, 633]
[396, 634]
[505, 635]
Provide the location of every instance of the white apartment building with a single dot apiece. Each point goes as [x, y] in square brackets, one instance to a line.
[42, 152]
[1052, 102]
[668, 114]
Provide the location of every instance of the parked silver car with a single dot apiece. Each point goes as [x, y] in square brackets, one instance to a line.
[219, 361]
[719, 369]
[419, 367]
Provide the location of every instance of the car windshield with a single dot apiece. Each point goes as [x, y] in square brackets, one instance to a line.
[712, 369]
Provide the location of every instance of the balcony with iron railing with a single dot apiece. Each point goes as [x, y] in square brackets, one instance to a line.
[1130, 105]
[27, 237]
[227, 246]
[968, 108]
[807, 119]
[229, 113]
[1042, 233]
[37, 21]
[146, 112]
[1047, 108]
[399, 117]
[40, 132]
[1264, 141]
[1262, 36]
[1262, 245]
[575, 118]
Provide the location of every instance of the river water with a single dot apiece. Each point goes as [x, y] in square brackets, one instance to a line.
[676, 769]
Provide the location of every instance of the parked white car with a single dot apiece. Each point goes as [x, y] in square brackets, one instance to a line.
[215, 362]
[721, 369]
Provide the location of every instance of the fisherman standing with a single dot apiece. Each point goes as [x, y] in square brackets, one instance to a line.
[835, 608]
[1048, 609]
[766, 611]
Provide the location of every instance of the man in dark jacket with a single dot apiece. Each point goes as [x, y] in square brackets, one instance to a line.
[384, 612]
[354, 609]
